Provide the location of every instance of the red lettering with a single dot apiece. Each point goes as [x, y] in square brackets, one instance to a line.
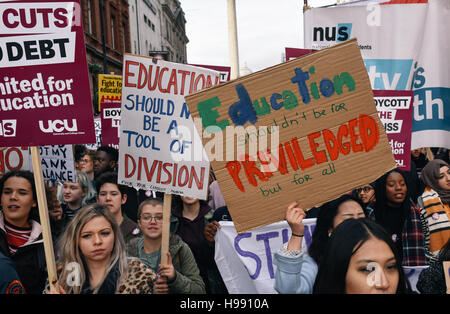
[180, 174]
[159, 81]
[369, 132]
[320, 155]
[128, 73]
[304, 164]
[291, 156]
[63, 21]
[158, 177]
[142, 71]
[198, 181]
[353, 136]
[344, 148]
[173, 82]
[155, 82]
[331, 144]
[127, 173]
[150, 175]
[175, 172]
[251, 170]
[183, 78]
[5, 18]
[167, 172]
[234, 167]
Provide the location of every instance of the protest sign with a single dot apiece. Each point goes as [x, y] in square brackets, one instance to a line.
[44, 79]
[110, 122]
[292, 53]
[58, 163]
[159, 147]
[395, 111]
[14, 158]
[224, 71]
[402, 48]
[98, 134]
[245, 260]
[109, 90]
[322, 104]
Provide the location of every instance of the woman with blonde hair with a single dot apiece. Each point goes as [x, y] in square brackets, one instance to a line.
[92, 258]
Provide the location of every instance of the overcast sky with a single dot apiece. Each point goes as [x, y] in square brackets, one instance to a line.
[265, 28]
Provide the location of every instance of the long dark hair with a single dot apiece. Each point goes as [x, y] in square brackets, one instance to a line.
[345, 241]
[29, 176]
[381, 209]
[324, 223]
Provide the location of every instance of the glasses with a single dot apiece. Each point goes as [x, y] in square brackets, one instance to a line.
[146, 218]
[366, 189]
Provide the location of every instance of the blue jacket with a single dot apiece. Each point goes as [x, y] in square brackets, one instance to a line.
[9, 280]
[295, 274]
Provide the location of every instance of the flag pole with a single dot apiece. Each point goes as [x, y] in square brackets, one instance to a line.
[233, 40]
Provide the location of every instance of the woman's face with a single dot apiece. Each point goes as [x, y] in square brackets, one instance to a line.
[73, 193]
[395, 189]
[348, 209]
[86, 164]
[96, 240]
[444, 178]
[17, 200]
[372, 269]
[366, 193]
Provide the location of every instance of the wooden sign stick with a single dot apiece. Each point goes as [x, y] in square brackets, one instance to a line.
[43, 215]
[166, 227]
[447, 275]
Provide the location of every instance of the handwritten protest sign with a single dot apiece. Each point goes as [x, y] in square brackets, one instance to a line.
[58, 163]
[395, 111]
[330, 138]
[44, 79]
[109, 90]
[245, 260]
[159, 147]
[14, 158]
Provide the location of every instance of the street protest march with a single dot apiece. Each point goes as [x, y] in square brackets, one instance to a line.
[326, 173]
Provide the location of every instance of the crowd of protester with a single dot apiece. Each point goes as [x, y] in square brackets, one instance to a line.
[111, 234]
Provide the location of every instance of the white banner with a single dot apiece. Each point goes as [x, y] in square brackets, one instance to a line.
[160, 148]
[403, 49]
[245, 260]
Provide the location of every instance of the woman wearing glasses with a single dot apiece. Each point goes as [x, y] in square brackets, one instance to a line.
[366, 193]
[181, 275]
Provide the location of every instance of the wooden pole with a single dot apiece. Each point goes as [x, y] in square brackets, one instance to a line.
[166, 227]
[43, 215]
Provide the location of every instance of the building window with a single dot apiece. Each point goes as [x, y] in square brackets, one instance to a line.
[113, 31]
[89, 14]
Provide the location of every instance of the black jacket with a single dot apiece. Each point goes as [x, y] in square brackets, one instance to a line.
[29, 258]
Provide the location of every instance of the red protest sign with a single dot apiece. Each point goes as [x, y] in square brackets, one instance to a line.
[44, 82]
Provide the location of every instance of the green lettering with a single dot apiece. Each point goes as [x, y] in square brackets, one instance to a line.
[343, 79]
[210, 116]
[290, 101]
[261, 110]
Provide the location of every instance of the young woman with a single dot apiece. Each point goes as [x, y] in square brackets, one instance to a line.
[20, 231]
[366, 193]
[361, 258]
[93, 259]
[435, 206]
[398, 215]
[296, 270]
[86, 163]
[181, 275]
[75, 195]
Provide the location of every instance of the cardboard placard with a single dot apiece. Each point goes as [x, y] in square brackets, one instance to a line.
[159, 146]
[331, 139]
[44, 80]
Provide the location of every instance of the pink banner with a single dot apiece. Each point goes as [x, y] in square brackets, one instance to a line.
[111, 123]
[44, 83]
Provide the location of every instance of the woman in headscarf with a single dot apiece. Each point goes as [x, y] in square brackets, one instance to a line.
[435, 206]
[397, 214]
